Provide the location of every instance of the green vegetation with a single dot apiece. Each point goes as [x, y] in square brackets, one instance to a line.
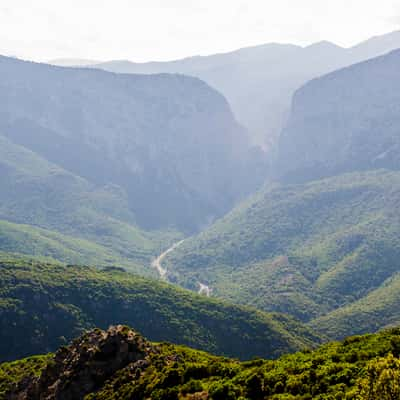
[47, 211]
[43, 306]
[13, 372]
[380, 308]
[360, 368]
[307, 250]
[335, 371]
[382, 379]
[42, 243]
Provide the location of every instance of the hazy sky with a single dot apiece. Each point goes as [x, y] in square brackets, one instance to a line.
[167, 29]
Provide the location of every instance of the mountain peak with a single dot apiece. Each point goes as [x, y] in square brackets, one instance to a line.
[324, 45]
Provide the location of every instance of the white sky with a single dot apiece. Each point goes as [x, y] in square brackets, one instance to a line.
[168, 29]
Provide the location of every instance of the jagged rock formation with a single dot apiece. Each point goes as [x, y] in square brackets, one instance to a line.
[86, 364]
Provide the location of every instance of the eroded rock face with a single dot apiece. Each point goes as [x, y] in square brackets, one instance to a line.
[86, 364]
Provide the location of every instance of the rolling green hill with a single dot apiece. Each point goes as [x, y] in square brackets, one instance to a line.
[121, 364]
[55, 247]
[47, 211]
[43, 306]
[304, 249]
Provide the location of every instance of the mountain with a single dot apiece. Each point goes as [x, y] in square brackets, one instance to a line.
[120, 364]
[44, 306]
[345, 121]
[168, 142]
[322, 243]
[304, 249]
[259, 81]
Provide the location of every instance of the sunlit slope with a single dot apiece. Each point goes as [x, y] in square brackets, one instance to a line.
[305, 249]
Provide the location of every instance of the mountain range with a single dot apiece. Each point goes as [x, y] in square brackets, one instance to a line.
[108, 169]
[259, 81]
[112, 179]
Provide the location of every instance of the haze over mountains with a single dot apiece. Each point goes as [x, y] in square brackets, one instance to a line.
[169, 142]
[344, 121]
[108, 170]
[259, 81]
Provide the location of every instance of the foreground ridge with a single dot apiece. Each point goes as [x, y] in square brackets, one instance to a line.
[120, 364]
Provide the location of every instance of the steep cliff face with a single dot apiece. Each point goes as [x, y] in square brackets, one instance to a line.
[344, 121]
[170, 141]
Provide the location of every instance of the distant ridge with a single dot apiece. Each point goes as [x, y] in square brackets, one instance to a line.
[73, 62]
[119, 363]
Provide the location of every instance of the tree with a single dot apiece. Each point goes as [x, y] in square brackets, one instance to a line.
[382, 380]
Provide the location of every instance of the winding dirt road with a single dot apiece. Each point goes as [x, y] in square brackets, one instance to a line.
[204, 289]
[157, 262]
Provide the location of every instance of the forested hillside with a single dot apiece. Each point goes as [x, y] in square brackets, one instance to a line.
[304, 249]
[44, 306]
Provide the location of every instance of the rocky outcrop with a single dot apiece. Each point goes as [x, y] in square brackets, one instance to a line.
[86, 364]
